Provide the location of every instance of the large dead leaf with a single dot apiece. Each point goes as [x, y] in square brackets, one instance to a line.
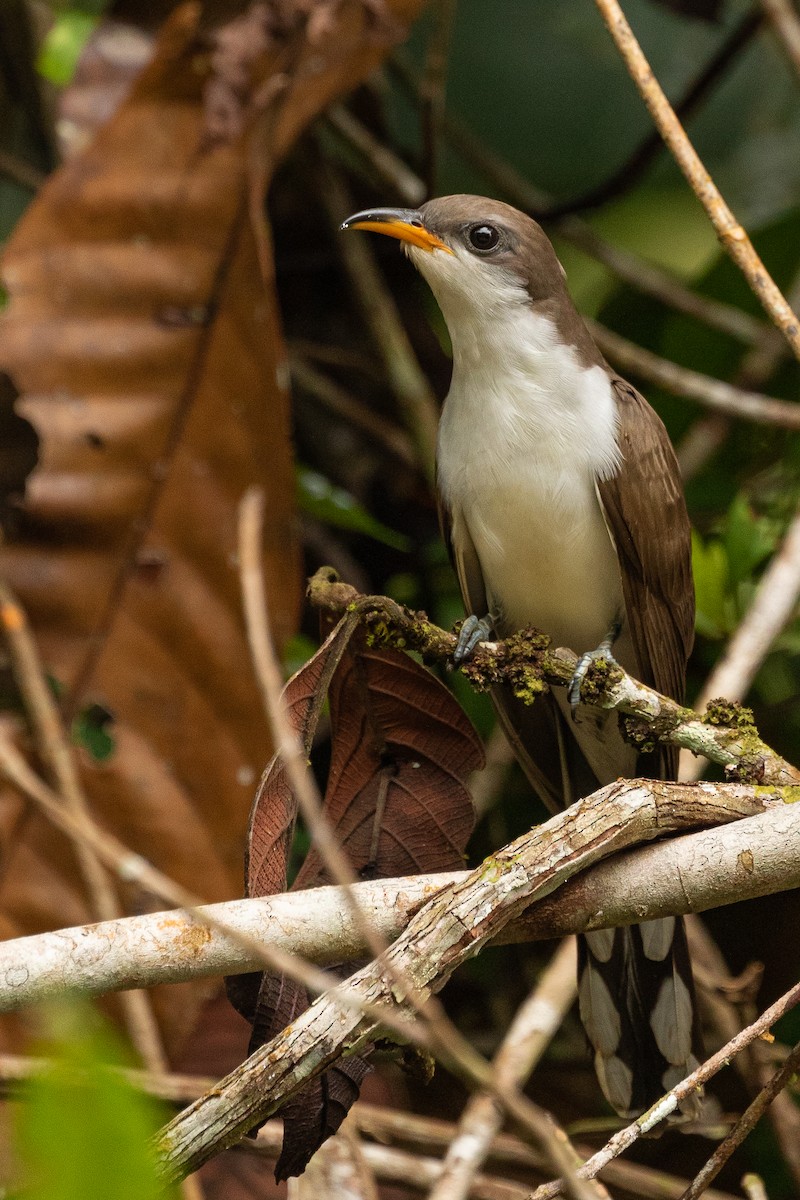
[401, 752]
[142, 331]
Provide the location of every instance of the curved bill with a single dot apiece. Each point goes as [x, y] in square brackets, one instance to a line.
[405, 224]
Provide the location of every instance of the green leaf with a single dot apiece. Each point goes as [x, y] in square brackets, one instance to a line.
[63, 44]
[748, 539]
[90, 729]
[711, 579]
[82, 1130]
[296, 653]
[322, 499]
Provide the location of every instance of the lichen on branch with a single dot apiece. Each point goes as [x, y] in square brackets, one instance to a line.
[529, 664]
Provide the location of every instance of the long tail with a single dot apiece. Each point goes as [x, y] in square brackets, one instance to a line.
[638, 1007]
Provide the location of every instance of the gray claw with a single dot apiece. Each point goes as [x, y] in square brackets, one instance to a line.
[584, 662]
[576, 683]
[473, 631]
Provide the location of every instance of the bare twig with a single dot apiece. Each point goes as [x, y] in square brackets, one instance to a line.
[753, 1187]
[52, 743]
[339, 1170]
[382, 160]
[428, 1133]
[526, 1039]
[387, 1125]
[133, 868]
[669, 1103]
[681, 381]
[645, 153]
[746, 1123]
[729, 231]
[728, 1012]
[23, 173]
[340, 402]
[773, 605]
[784, 19]
[753, 857]
[756, 368]
[414, 1171]
[654, 281]
[432, 88]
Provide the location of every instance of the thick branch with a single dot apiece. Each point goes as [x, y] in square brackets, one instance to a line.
[451, 928]
[750, 858]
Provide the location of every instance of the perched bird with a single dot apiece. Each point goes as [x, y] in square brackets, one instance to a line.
[561, 502]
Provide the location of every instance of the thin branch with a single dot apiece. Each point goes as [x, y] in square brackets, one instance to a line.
[669, 1103]
[745, 1125]
[133, 868]
[23, 173]
[728, 1007]
[785, 21]
[750, 858]
[729, 231]
[339, 1170]
[658, 283]
[646, 153]
[429, 1133]
[52, 743]
[410, 1170]
[693, 385]
[340, 402]
[752, 1186]
[387, 1125]
[755, 370]
[433, 86]
[381, 159]
[529, 1034]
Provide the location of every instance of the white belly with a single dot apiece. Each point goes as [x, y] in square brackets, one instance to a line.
[524, 435]
[546, 556]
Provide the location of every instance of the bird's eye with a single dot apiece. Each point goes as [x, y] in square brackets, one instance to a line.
[484, 237]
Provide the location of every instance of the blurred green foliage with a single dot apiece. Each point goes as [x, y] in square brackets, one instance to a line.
[63, 43]
[82, 1129]
[336, 507]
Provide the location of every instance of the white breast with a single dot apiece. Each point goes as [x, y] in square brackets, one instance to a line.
[526, 432]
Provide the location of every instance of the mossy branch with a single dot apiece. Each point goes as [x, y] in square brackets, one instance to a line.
[529, 664]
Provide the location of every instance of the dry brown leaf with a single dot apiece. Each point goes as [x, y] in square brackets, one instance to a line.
[143, 332]
[402, 750]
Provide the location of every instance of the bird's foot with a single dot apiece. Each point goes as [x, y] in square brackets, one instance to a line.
[604, 653]
[472, 632]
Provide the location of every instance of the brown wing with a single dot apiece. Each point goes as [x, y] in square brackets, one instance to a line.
[646, 515]
[466, 563]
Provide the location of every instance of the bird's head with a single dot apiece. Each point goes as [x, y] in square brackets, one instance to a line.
[480, 257]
